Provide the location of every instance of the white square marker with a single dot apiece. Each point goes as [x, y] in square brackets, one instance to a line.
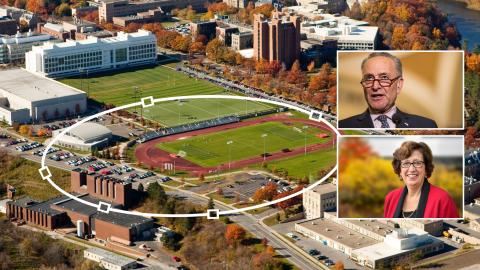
[104, 207]
[213, 214]
[315, 115]
[147, 102]
[45, 172]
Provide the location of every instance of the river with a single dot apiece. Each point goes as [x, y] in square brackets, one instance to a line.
[467, 20]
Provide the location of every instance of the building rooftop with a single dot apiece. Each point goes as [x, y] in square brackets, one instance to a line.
[45, 206]
[33, 87]
[385, 250]
[338, 233]
[325, 188]
[473, 208]
[122, 219]
[20, 38]
[24, 202]
[373, 225]
[111, 257]
[78, 207]
[88, 131]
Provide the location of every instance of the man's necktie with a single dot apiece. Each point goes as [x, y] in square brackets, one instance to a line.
[383, 119]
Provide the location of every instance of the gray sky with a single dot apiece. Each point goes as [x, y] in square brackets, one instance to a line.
[441, 146]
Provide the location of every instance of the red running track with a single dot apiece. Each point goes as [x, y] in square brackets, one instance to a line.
[148, 154]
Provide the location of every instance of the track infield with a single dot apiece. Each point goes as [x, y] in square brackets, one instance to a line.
[207, 151]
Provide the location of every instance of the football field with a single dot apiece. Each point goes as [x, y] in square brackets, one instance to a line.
[128, 86]
[242, 143]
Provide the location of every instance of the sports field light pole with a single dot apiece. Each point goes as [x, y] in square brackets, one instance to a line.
[179, 106]
[305, 134]
[229, 153]
[264, 136]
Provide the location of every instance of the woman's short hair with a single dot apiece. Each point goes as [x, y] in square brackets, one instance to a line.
[406, 150]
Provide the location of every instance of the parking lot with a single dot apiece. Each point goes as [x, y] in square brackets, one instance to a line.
[243, 185]
[68, 160]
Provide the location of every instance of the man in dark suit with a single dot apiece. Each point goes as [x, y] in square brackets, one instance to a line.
[382, 82]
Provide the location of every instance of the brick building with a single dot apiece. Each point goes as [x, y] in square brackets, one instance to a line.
[64, 211]
[277, 39]
[151, 16]
[207, 29]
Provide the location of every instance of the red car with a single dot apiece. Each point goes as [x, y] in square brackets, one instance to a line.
[177, 259]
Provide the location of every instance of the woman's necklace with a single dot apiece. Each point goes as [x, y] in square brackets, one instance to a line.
[403, 214]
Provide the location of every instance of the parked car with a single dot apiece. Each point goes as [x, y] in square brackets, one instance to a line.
[313, 252]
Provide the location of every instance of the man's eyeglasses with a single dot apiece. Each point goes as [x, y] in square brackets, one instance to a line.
[416, 164]
[384, 82]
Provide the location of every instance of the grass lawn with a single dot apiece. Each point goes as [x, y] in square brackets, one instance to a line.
[353, 132]
[221, 198]
[310, 164]
[212, 149]
[117, 88]
[23, 175]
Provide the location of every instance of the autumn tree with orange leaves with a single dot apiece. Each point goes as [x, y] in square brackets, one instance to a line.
[234, 233]
[265, 193]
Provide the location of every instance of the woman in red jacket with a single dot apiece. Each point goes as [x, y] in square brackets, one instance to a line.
[413, 162]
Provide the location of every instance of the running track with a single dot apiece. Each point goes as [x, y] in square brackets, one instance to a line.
[148, 154]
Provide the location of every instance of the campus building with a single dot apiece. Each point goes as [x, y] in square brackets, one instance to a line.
[18, 15]
[120, 8]
[319, 199]
[93, 54]
[64, 212]
[277, 39]
[109, 260]
[370, 243]
[237, 3]
[242, 41]
[27, 97]
[86, 137]
[150, 16]
[350, 34]
[207, 29]
[225, 32]
[326, 6]
[8, 26]
[13, 48]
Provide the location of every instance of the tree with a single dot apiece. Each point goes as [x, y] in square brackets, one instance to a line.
[289, 202]
[213, 48]
[211, 204]
[311, 66]
[339, 265]
[270, 250]
[157, 193]
[24, 129]
[63, 10]
[265, 193]
[36, 6]
[234, 232]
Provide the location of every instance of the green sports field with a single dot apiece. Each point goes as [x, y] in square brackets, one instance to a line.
[212, 149]
[117, 88]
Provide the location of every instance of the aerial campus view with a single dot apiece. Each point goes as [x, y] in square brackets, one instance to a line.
[236, 135]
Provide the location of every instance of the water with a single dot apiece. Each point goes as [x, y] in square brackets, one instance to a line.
[466, 20]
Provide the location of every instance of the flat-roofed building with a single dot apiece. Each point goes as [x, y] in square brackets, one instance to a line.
[319, 199]
[472, 210]
[207, 29]
[13, 48]
[150, 16]
[399, 245]
[237, 3]
[55, 30]
[242, 41]
[119, 8]
[277, 39]
[350, 34]
[93, 54]
[334, 235]
[8, 26]
[109, 260]
[26, 97]
[225, 32]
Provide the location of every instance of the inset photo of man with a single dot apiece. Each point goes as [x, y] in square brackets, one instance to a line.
[400, 90]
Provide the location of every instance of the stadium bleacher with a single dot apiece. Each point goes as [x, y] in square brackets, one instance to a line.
[163, 132]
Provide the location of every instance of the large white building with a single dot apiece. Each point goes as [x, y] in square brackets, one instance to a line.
[319, 199]
[13, 48]
[350, 34]
[86, 137]
[26, 97]
[93, 54]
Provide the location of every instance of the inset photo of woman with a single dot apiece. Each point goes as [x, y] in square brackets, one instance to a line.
[400, 177]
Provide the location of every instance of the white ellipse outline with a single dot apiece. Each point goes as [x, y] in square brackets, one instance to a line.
[140, 103]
